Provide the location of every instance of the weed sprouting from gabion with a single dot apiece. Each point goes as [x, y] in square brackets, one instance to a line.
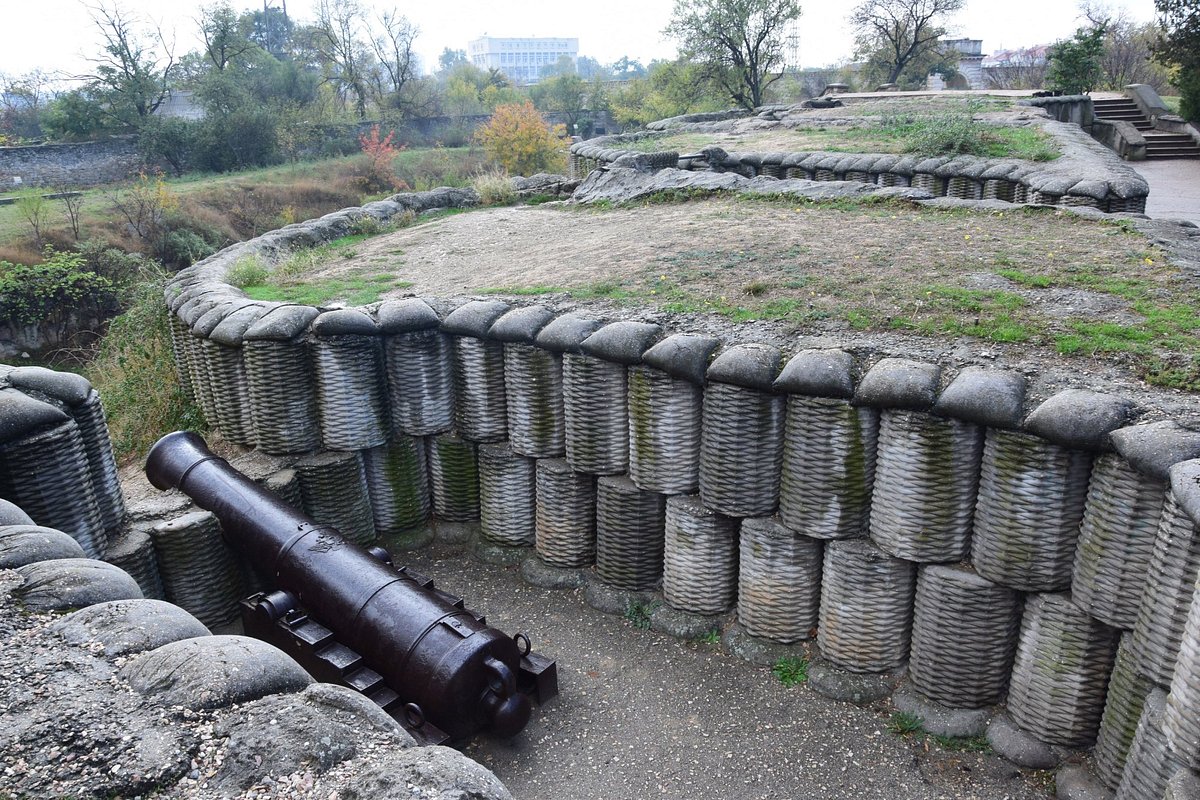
[638, 614]
[902, 723]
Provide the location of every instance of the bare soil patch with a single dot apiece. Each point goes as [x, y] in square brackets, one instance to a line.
[1027, 277]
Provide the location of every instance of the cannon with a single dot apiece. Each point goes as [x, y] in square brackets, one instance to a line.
[349, 616]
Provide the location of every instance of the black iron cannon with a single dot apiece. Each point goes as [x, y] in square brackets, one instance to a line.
[348, 616]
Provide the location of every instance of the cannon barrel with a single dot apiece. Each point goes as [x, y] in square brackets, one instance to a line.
[459, 672]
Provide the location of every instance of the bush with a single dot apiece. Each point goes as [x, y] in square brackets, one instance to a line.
[247, 271]
[949, 133]
[182, 248]
[519, 141]
[377, 171]
[494, 188]
[56, 291]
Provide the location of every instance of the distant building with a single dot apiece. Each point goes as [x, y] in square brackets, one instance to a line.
[522, 60]
[970, 61]
[180, 104]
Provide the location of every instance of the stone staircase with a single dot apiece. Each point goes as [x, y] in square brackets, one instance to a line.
[1159, 144]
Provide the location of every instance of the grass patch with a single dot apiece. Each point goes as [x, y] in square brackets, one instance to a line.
[902, 723]
[353, 291]
[521, 291]
[791, 670]
[638, 614]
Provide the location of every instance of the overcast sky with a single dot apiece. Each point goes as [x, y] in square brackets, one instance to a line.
[55, 34]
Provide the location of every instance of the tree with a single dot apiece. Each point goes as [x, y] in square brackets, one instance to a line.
[1128, 48]
[23, 98]
[222, 34]
[565, 94]
[740, 42]
[338, 42]
[449, 59]
[394, 49]
[1179, 48]
[898, 35]
[625, 68]
[520, 141]
[133, 72]
[1075, 62]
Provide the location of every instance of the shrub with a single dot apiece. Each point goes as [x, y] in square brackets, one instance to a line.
[950, 133]
[520, 142]
[57, 290]
[247, 271]
[494, 188]
[378, 156]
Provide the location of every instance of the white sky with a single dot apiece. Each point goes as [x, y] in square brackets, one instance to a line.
[54, 34]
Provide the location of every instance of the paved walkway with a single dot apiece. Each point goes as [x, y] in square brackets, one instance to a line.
[1174, 188]
[642, 715]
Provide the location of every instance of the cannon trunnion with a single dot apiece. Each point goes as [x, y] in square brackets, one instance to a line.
[349, 616]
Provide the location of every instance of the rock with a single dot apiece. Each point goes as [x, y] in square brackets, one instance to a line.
[521, 325]
[762, 652]
[1153, 449]
[11, 514]
[684, 356]
[21, 545]
[22, 415]
[214, 672]
[475, 318]
[1076, 782]
[567, 333]
[406, 316]
[344, 322]
[611, 600]
[1080, 418]
[819, 373]
[990, 397]
[622, 342]
[433, 772]
[851, 687]
[899, 383]
[940, 720]
[538, 573]
[684, 624]
[754, 366]
[129, 626]
[73, 583]
[1020, 748]
[314, 729]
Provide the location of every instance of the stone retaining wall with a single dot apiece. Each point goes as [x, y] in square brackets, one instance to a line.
[74, 165]
[1022, 568]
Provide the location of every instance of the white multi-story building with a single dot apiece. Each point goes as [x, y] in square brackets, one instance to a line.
[522, 60]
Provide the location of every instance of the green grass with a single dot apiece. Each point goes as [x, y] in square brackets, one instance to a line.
[639, 613]
[1172, 101]
[902, 723]
[906, 724]
[355, 291]
[791, 670]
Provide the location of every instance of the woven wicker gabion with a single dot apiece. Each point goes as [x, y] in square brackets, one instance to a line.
[398, 485]
[926, 476]
[283, 396]
[351, 402]
[506, 496]
[594, 406]
[179, 345]
[46, 474]
[779, 581]
[133, 551]
[334, 489]
[566, 515]
[201, 381]
[285, 484]
[1116, 540]
[1182, 721]
[199, 573]
[664, 431]
[1170, 584]
[533, 382]
[1031, 498]
[102, 466]
[629, 534]
[1150, 763]
[480, 410]
[1063, 661]
[700, 566]
[866, 607]
[453, 478]
[964, 637]
[420, 377]
[231, 393]
[829, 452]
[1126, 695]
[741, 450]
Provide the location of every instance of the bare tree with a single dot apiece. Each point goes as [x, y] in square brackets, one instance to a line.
[133, 71]
[740, 42]
[1020, 69]
[394, 49]
[896, 33]
[1127, 47]
[22, 100]
[223, 38]
[72, 209]
[338, 41]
